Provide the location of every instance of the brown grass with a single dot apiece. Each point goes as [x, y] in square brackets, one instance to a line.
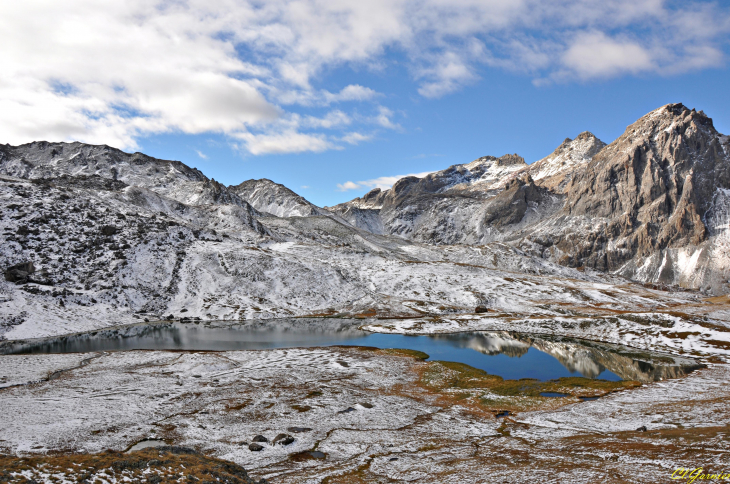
[456, 383]
[163, 466]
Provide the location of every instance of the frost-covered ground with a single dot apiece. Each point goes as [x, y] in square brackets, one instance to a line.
[371, 414]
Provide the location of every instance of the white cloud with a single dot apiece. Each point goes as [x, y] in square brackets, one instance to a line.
[594, 54]
[383, 182]
[333, 119]
[113, 72]
[383, 118]
[286, 142]
[201, 154]
[447, 74]
[348, 185]
[355, 138]
[309, 97]
[353, 92]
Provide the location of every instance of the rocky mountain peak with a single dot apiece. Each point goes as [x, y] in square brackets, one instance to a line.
[555, 170]
[273, 198]
[583, 143]
[510, 160]
[653, 184]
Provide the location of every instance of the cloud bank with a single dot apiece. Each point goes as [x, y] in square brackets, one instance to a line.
[114, 72]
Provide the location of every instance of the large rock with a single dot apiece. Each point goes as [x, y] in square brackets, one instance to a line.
[19, 273]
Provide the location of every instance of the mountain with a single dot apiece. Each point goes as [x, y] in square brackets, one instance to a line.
[92, 236]
[465, 203]
[171, 179]
[438, 208]
[275, 199]
[651, 206]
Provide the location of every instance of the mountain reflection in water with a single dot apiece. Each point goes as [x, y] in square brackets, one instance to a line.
[507, 354]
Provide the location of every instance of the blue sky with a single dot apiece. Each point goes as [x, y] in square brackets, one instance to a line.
[334, 98]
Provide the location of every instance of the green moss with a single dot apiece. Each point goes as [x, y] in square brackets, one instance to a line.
[448, 375]
[420, 355]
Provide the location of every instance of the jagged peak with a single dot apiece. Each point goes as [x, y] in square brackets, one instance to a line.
[508, 160]
[504, 160]
[585, 140]
[258, 182]
[676, 112]
[372, 194]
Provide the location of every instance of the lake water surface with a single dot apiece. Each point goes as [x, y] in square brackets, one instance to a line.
[509, 355]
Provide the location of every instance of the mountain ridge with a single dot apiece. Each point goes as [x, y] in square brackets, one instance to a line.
[113, 237]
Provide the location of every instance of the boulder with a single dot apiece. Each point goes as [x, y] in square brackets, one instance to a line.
[283, 439]
[19, 273]
[108, 230]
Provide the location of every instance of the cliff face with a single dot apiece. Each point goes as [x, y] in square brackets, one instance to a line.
[651, 206]
[650, 188]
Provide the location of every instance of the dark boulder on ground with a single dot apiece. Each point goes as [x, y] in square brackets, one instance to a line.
[283, 439]
[108, 230]
[19, 273]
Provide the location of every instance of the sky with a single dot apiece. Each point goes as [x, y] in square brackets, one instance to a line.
[335, 97]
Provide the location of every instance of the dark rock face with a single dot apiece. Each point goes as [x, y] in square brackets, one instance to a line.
[648, 190]
[108, 230]
[509, 206]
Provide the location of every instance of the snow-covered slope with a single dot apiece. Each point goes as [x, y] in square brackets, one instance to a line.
[106, 253]
[172, 179]
[275, 199]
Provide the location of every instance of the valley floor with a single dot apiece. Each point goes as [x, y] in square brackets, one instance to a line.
[374, 415]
